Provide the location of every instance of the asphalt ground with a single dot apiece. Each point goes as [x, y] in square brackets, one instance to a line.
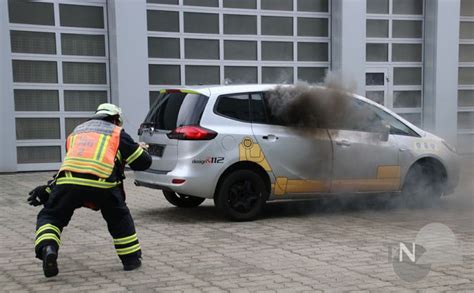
[330, 244]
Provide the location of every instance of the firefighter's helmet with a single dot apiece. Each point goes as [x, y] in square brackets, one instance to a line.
[107, 109]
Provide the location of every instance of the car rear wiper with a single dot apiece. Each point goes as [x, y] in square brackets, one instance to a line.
[146, 125]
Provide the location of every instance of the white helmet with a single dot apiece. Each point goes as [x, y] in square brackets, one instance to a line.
[108, 109]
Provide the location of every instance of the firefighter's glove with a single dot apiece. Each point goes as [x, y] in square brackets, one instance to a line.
[143, 145]
[39, 195]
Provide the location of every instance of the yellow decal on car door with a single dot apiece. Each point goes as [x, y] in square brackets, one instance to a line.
[250, 151]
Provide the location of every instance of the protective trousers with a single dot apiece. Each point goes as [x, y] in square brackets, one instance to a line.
[64, 199]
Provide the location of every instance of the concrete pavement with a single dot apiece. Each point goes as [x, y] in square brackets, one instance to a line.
[323, 245]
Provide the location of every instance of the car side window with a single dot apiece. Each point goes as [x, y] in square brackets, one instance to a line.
[347, 113]
[344, 113]
[258, 113]
[396, 126]
[358, 115]
[260, 110]
[234, 106]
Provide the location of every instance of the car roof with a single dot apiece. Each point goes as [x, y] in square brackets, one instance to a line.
[226, 89]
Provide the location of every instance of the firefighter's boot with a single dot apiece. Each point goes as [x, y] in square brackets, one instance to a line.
[50, 264]
[131, 263]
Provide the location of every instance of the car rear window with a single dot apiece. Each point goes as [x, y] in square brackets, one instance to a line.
[171, 110]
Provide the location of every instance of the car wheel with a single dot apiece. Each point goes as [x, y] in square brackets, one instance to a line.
[241, 195]
[422, 186]
[182, 200]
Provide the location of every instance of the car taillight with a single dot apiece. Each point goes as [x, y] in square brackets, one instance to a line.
[192, 133]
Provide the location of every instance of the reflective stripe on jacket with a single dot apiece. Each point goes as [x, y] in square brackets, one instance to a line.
[100, 183]
[91, 148]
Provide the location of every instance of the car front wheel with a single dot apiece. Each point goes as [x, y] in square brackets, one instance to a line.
[422, 187]
[241, 195]
[182, 200]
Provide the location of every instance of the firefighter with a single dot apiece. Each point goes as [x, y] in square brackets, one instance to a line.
[91, 175]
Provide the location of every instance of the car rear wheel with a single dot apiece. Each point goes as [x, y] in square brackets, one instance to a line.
[182, 200]
[241, 195]
[422, 187]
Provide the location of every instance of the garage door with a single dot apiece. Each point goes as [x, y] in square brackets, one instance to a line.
[60, 74]
[210, 42]
[466, 78]
[394, 55]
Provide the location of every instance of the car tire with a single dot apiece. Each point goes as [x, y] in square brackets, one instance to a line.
[422, 187]
[182, 200]
[241, 195]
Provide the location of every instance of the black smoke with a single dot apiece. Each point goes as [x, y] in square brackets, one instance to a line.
[326, 106]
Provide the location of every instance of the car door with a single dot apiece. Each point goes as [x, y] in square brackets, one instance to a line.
[300, 162]
[364, 161]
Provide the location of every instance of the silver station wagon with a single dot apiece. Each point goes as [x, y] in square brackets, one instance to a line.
[244, 145]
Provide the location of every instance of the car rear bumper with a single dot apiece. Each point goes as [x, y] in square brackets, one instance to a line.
[138, 182]
[164, 180]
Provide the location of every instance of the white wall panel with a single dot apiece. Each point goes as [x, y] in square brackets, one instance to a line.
[7, 121]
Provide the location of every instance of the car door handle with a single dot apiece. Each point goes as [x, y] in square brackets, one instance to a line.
[270, 137]
[343, 142]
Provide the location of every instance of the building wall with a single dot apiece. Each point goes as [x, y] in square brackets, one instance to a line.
[7, 119]
[442, 31]
[128, 63]
[348, 52]
[67, 56]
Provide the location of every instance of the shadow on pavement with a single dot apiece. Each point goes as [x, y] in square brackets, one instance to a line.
[461, 200]
[204, 213]
[292, 208]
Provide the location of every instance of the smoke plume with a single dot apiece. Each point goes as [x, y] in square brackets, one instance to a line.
[308, 107]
